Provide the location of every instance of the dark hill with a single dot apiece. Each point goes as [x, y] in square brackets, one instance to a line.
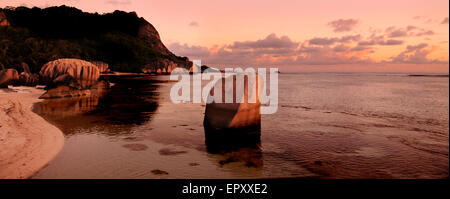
[123, 40]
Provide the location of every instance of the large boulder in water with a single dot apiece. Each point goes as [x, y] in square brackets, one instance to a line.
[74, 73]
[239, 113]
[230, 126]
[8, 77]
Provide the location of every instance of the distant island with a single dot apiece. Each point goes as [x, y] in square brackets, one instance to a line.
[421, 75]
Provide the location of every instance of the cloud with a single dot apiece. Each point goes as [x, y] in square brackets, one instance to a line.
[398, 33]
[189, 51]
[249, 53]
[119, 2]
[350, 38]
[194, 24]
[445, 21]
[423, 19]
[416, 54]
[380, 40]
[409, 28]
[270, 42]
[281, 50]
[341, 48]
[274, 50]
[325, 55]
[343, 25]
[425, 33]
[395, 32]
[323, 41]
[361, 48]
[346, 48]
[392, 42]
[330, 41]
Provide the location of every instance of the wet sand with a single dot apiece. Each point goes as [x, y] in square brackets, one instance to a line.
[27, 141]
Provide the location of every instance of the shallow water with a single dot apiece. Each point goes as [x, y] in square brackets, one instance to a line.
[327, 125]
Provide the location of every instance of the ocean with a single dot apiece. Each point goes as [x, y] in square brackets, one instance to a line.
[328, 125]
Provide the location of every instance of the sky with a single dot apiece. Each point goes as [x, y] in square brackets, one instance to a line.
[294, 35]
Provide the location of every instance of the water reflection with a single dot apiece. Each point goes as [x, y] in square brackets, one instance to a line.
[66, 107]
[104, 130]
[112, 111]
[236, 145]
[132, 100]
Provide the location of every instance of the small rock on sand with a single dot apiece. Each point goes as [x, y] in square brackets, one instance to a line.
[167, 151]
[159, 172]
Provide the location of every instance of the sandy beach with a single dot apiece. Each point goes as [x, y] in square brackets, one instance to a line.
[27, 141]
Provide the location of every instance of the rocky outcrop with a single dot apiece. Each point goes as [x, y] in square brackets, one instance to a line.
[69, 78]
[148, 33]
[209, 69]
[3, 20]
[160, 66]
[8, 77]
[28, 79]
[75, 73]
[25, 67]
[102, 66]
[194, 69]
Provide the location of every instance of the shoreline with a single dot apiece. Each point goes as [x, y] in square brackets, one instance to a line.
[27, 141]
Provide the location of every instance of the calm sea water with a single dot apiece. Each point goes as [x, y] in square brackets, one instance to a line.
[327, 126]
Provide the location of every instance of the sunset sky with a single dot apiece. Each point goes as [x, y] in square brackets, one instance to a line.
[294, 35]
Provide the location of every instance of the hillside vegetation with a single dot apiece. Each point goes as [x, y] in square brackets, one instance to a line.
[123, 40]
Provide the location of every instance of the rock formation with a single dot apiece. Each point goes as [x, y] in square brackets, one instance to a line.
[25, 68]
[235, 115]
[209, 69]
[26, 78]
[102, 66]
[8, 77]
[69, 78]
[194, 69]
[160, 66]
[75, 73]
